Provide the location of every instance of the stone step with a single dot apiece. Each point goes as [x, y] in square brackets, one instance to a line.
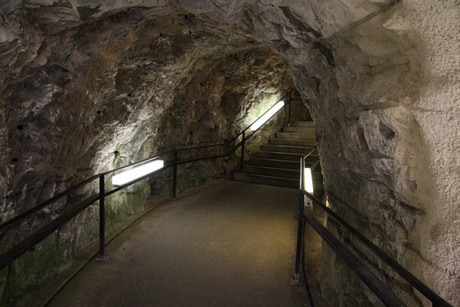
[274, 163]
[286, 156]
[303, 124]
[272, 171]
[294, 142]
[278, 172]
[287, 148]
[277, 163]
[293, 135]
[275, 181]
[304, 130]
[268, 180]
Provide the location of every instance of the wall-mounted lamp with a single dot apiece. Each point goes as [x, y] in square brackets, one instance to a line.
[137, 172]
[256, 125]
[307, 180]
[307, 186]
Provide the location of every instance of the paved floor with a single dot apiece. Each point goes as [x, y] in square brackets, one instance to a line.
[231, 244]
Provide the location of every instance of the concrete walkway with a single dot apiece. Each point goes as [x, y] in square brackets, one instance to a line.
[231, 244]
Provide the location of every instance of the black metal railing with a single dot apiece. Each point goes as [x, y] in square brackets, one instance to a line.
[172, 158]
[382, 291]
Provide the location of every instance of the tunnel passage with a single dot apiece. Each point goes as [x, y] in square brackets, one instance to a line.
[92, 86]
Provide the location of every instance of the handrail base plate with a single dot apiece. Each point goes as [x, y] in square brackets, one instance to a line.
[296, 280]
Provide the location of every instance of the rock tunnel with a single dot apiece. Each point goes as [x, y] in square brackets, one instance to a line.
[91, 85]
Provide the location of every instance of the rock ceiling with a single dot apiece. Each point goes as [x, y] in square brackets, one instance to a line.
[77, 68]
[82, 79]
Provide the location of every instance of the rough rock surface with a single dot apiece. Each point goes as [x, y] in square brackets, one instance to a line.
[90, 85]
[398, 91]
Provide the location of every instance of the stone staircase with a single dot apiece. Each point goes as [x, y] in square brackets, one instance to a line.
[277, 163]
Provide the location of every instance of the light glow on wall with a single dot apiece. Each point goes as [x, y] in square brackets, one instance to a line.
[137, 172]
[307, 180]
[267, 115]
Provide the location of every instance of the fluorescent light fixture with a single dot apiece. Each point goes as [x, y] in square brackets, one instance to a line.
[267, 115]
[307, 180]
[137, 172]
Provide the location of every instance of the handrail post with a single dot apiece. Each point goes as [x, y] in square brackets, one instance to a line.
[101, 256]
[289, 111]
[176, 154]
[295, 281]
[242, 150]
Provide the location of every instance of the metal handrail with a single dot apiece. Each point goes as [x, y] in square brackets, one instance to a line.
[375, 285]
[383, 292]
[300, 229]
[136, 163]
[31, 240]
[16, 219]
[247, 128]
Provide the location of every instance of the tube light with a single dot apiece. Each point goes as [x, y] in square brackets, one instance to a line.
[267, 115]
[137, 172]
[307, 180]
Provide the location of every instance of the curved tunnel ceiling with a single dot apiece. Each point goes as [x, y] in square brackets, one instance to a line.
[114, 67]
[78, 76]
[87, 79]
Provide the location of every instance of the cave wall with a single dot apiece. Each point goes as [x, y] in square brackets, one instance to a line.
[101, 93]
[91, 85]
[105, 84]
[386, 144]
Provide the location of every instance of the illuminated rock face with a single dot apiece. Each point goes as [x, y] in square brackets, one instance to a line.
[87, 85]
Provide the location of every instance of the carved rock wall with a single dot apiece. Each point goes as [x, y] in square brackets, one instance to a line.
[97, 84]
[384, 144]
